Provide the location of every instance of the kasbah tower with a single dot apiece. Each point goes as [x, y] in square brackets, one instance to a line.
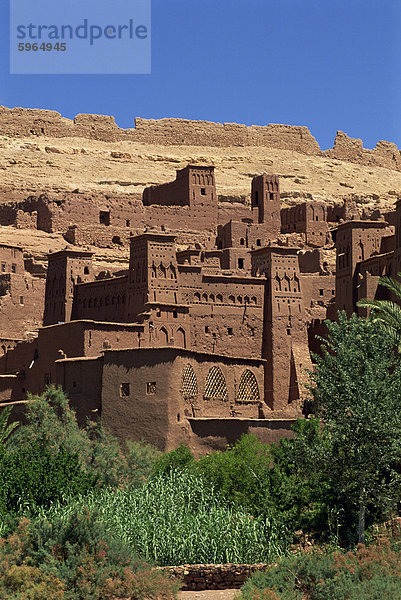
[206, 332]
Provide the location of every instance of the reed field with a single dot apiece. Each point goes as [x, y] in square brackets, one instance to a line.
[178, 518]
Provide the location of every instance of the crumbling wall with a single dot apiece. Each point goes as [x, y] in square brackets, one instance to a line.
[22, 122]
[384, 154]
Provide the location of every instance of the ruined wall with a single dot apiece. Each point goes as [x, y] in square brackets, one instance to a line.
[26, 122]
[34, 122]
[384, 154]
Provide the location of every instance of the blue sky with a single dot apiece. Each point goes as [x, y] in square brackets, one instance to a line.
[327, 64]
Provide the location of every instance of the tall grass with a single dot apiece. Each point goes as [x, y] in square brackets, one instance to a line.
[177, 519]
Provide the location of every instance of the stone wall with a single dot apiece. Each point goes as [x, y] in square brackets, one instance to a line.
[213, 577]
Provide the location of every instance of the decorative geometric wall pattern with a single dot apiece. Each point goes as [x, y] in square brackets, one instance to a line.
[189, 386]
[248, 390]
[215, 387]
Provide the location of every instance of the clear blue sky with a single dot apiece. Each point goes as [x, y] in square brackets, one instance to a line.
[327, 64]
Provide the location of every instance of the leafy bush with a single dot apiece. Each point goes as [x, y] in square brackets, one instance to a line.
[369, 573]
[74, 558]
[179, 518]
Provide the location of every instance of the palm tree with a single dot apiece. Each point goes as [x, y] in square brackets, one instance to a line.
[388, 313]
[5, 428]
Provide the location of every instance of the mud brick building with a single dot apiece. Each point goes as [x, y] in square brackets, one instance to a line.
[196, 344]
[308, 218]
[21, 298]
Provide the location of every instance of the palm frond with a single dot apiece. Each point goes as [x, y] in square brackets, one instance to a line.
[392, 284]
[385, 310]
[5, 428]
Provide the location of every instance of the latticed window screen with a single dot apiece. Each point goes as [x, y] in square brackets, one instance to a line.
[248, 390]
[215, 388]
[189, 386]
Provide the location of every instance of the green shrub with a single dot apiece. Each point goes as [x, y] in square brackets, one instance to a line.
[369, 573]
[141, 458]
[179, 518]
[32, 477]
[241, 473]
[52, 423]
[179, 458]
[74, 558]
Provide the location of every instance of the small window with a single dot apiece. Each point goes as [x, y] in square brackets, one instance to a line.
[128, 223]
[13, 268]
[321, 292]
[86, 270]
[124, 390]
[288, 331]
[230, 331]
[242, 241]
[203, 191]
[332, 292]
[3, 267]
[104, 217]
[258, 242]
[21, 299]
[207, 330]
[240, 263]
[151, 387]
[175, 315]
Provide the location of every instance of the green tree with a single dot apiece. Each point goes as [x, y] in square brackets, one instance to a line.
[356, 392]
[386, 312]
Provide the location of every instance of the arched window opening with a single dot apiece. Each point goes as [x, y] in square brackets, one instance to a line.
[180, 340]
